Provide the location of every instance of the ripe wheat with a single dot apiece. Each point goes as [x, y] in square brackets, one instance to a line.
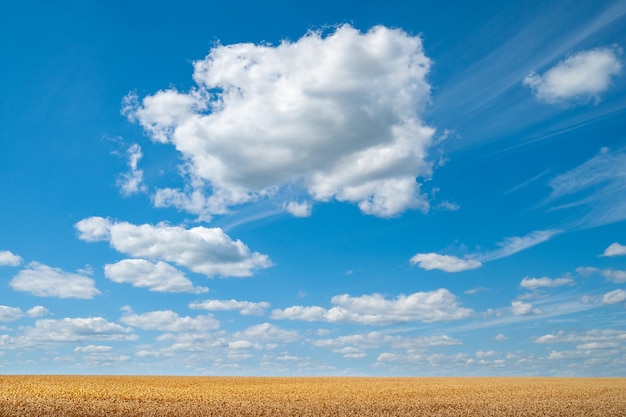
[316, 397]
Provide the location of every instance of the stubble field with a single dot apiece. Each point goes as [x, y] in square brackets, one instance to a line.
[364, 397]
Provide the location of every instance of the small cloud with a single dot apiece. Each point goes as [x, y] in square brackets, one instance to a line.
[501, 337]
[448, 263]
[7, 258]
[520, 308]
[616, 276]
[475, 290]
[615, 249]
[613, 297]
[245, 308]
[159, 276]
[37, 311]
[131, 182]
[45, 281]
[581, 77]
[299, 209]
[534, 283]
[586, 271]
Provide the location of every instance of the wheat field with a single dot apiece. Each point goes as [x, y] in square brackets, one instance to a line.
[342, 396]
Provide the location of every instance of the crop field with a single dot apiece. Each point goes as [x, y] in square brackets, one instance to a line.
[344, 396]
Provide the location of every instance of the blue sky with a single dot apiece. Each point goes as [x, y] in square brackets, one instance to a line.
[290, 188]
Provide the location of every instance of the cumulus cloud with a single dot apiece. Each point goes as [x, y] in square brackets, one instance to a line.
[167, 320]
[8, 258]
[615, 249]
[158, 276]
[245, 307]
[510, 246]
[131, 182]
[616, 276]
[544, 282]
[448, 263]
[583, 76]
[375, 309]
[37, 311]
[614, 297]
[268, 331]
[45, 281]
[208, 251]
[520, 308]
[76, 330]
[374, 340]
[596, 187]
[10, 313]
[336, 114]
[299, 209]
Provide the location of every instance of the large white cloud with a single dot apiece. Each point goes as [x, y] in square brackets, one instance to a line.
[8, 258]
[10, 313]
[375, 309]
[584, 75]
[158, 276]
[45, 281]
[338, 115]
[208, 251]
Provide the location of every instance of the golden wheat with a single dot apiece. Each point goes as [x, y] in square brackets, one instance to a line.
[364, 397]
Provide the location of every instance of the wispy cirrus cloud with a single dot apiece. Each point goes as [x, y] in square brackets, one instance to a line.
[596, 188]
[508, 247]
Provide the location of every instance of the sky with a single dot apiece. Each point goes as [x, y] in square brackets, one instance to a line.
[313, 188]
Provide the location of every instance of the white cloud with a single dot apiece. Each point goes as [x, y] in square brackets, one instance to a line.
[244, 307]
[374, 340]
[93, 349]
[131, 182]
[614, 275]
[45, 281]
[7, 258]
[544, 282]
[267, 331]
[208, 251]
[588, 336]
[299, 209]
[167, 320]
[37, 311]
[448, 263]
[158, 276]
[615, 249]
[583, 76]
[614, 297]
[510, 246]
[520, 308]
[597, 185]
[501, 337]
[10, 313]
[375, 309]
[75, 330]
[338, 115]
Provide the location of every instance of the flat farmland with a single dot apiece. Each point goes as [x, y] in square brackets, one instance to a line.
[324, 396]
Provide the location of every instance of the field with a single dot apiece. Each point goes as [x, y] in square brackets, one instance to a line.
[364, 397]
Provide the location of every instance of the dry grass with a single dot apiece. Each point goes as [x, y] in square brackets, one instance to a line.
[364, 397]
